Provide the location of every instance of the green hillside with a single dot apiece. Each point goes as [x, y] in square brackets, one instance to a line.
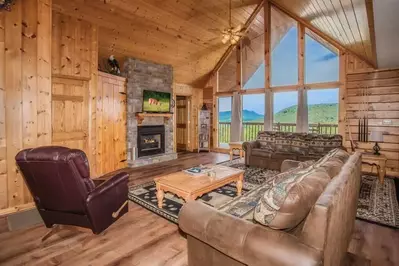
[318, 113]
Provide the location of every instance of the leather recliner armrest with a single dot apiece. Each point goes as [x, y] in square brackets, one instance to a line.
[246, 242]
[121, 178]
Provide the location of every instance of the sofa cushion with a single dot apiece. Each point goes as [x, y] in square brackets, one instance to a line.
[321, 144]
[283, 144]
[289, 200]
[300, 144]
[283, 156]
[267, 140]
[261, 153]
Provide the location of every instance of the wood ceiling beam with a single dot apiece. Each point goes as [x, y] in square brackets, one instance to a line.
[231, 47]
[318, 32]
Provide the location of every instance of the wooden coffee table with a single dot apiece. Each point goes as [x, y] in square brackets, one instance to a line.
[190, 187]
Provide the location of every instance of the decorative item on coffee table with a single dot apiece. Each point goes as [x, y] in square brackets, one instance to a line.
[190, 187]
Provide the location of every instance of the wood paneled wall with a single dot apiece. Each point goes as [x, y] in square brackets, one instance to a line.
[111, 123]
[75, 75]
[25, 92]
[195, 101]
[383, 110]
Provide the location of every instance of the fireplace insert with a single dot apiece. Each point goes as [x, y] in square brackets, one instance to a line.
[150, 140]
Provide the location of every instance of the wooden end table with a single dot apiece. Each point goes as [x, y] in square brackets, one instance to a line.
[379, 160]
[190, 187]
[236, 146]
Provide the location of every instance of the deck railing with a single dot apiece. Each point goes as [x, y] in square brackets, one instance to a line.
[251, 129]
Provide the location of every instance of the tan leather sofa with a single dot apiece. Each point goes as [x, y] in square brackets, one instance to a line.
[271, 148]
[322, 238]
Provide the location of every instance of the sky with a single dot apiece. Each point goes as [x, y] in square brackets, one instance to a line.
[321, 65]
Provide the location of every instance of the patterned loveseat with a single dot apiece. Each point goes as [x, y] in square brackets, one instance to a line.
[271, 148]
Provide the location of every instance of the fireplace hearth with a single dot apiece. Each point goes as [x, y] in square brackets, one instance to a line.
[150, 140]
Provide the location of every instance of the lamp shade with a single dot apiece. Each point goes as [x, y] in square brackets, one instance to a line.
[376, 136]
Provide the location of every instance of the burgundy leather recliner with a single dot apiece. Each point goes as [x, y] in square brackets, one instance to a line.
[59, 181]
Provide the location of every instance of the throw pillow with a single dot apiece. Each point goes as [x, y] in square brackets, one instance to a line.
[289, 200]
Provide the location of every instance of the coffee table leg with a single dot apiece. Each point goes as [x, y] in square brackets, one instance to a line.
[160, 195]
[231, 154]
[239, 184]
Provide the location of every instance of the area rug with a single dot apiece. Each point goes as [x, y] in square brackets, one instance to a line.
[378, 203]
[145, 194]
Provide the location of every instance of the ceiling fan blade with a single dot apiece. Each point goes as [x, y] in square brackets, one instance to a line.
[237, 28]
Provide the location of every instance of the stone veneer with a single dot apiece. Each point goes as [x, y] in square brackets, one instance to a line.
[142, 75]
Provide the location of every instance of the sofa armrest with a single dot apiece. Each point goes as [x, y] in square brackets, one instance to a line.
[243, 241]
[249, 145]
[288, 165]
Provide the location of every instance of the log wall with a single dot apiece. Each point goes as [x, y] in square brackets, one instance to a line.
[383, 110]
[25, 92]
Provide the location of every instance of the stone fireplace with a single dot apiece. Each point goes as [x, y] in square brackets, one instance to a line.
[143, 145]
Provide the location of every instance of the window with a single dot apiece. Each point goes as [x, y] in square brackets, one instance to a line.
[285, 106]
[253, 115]
[284, 47]
[321, 61]
[253, 55]
[323, 111]
[224, 118]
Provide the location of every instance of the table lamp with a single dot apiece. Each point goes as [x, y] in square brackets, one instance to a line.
[376, 136]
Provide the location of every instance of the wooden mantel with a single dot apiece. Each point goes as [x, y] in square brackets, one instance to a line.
[140, 116]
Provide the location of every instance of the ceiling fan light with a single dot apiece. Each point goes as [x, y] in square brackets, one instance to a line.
[225, 39]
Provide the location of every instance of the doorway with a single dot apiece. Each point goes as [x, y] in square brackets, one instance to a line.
[182, 127]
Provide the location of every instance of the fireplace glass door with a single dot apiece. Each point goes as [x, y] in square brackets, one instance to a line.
[151, 140]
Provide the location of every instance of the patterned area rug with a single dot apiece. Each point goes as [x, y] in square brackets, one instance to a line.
[378, 203]
[145, 194]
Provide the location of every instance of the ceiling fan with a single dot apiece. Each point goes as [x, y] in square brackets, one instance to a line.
[232, 34]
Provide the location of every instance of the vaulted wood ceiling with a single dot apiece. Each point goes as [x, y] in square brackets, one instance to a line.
[186, 33]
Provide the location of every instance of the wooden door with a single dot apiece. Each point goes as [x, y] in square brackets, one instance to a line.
[70, 113]
[181, 123]
[111, 123]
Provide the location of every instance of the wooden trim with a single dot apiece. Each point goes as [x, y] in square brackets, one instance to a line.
[238, 67]
[252, 91]
[301, 55]
[19, 208]
[342, 96]
[317, 31]
[57, 97]
[108, 75]
[323, 85]
[70, 77]
[223, 94]
[285, 88]
[231, 47]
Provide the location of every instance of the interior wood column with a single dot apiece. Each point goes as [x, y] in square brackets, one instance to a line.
[342, 95]
[268, 93]
[302, 115]
[236, 119]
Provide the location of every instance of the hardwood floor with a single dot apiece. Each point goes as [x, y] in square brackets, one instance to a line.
[143, 238]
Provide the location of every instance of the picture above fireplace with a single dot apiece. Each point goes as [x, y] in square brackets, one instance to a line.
[150, 140]
[156, 102]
